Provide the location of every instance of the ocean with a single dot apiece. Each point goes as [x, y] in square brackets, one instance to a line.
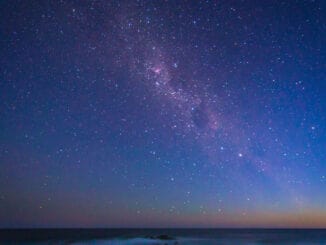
[162, 236]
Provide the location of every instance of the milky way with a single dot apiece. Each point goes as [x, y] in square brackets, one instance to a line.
[162, 113]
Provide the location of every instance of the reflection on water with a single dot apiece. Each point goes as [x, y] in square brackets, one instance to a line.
[163, 237]
[193, 241]
[131, 241]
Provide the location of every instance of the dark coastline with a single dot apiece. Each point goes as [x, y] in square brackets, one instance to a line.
[270, 236]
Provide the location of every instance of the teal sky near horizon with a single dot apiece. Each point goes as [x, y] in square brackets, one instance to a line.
[163, 114]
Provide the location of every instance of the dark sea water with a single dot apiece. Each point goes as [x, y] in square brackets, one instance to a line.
[173, 236]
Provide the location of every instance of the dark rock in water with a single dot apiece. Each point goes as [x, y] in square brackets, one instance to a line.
[164, 237]
[161, 237]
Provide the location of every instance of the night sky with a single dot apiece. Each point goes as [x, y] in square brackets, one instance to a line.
[163, 113]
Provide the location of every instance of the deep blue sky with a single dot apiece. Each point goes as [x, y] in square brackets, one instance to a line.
[162, 113]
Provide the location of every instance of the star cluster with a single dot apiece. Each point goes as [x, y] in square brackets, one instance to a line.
[162, 113]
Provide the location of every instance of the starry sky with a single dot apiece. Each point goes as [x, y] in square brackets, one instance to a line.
[163, 113]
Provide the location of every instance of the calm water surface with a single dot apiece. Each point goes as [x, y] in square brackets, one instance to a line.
[180, 236]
